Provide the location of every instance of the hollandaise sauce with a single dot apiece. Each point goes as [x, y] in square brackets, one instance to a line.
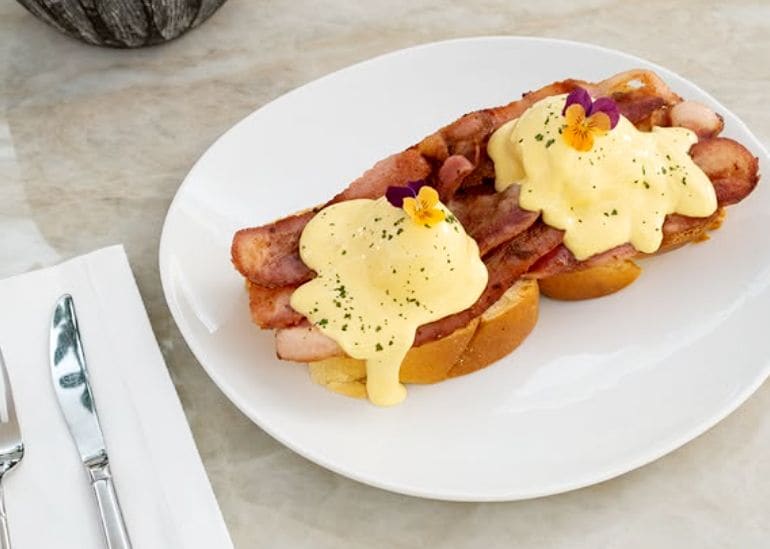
[380, 275]
[619, 191]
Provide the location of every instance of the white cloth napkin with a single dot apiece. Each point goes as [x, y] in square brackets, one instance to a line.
[163, 489]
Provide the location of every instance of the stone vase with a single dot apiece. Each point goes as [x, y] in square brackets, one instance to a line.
[123, 23]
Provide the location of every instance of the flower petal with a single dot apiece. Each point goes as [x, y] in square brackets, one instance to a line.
[410, 207]
[608, 107]
[433, 217]
[578, 137]
[599, 123]
[428, 197]
[417, 185]
[575, 115]
[396, 195]
[578, 96]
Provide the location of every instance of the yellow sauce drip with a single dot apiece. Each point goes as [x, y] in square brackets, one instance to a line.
[381, 276]
[620, 191]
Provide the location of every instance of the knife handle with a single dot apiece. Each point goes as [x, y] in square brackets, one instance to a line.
[109, 508]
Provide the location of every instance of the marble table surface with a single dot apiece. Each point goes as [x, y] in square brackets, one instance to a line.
[94, 143]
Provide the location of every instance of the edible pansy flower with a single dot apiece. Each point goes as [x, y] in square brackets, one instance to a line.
[422, 209]
[419, 201]
[396, 195]
[586, 119]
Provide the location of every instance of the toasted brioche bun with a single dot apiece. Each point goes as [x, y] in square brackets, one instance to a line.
[592, 282]
[501, 328]
[488, 338]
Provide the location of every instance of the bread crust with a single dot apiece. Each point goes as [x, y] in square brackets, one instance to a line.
[502, 328]
[589, 283]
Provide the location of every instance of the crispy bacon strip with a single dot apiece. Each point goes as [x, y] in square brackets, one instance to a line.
[560, 260]
[451, 175]
[398, 169]
[269, 255]
[696, 117]
[505, 266]
[271, 307]
[491, 218]
[732, 168]
[677, 231]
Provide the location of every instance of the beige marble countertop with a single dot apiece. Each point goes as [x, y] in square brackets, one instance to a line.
[94, 143]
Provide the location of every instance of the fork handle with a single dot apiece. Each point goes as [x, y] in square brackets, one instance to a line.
[5, 538]
[109, 508]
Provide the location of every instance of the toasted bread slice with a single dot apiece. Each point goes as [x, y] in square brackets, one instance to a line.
[501, 328]
[592, 282]
[488, 338]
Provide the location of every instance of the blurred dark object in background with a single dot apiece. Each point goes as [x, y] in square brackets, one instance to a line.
[123, 23]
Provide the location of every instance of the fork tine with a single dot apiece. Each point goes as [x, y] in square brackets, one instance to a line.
[8, 404]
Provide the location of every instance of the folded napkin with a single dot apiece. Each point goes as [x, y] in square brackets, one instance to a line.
[159, 478]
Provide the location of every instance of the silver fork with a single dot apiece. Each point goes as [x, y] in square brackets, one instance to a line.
[11, 448]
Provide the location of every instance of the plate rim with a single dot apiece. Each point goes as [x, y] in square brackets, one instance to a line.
[586, 480]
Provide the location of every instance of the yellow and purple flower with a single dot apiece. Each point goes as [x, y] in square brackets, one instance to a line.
[419, 201]
[586, 119]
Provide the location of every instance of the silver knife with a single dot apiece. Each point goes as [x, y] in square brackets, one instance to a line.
[73, 389]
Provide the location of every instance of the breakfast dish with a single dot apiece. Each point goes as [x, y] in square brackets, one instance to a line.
[430, 264]
[598, 388]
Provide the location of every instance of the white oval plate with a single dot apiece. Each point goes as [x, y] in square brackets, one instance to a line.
[599, 388]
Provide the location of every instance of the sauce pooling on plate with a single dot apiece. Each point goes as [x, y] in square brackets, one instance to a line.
[381, 275]
[619, 191]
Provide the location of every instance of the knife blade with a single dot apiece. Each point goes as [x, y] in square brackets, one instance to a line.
[76, 400]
